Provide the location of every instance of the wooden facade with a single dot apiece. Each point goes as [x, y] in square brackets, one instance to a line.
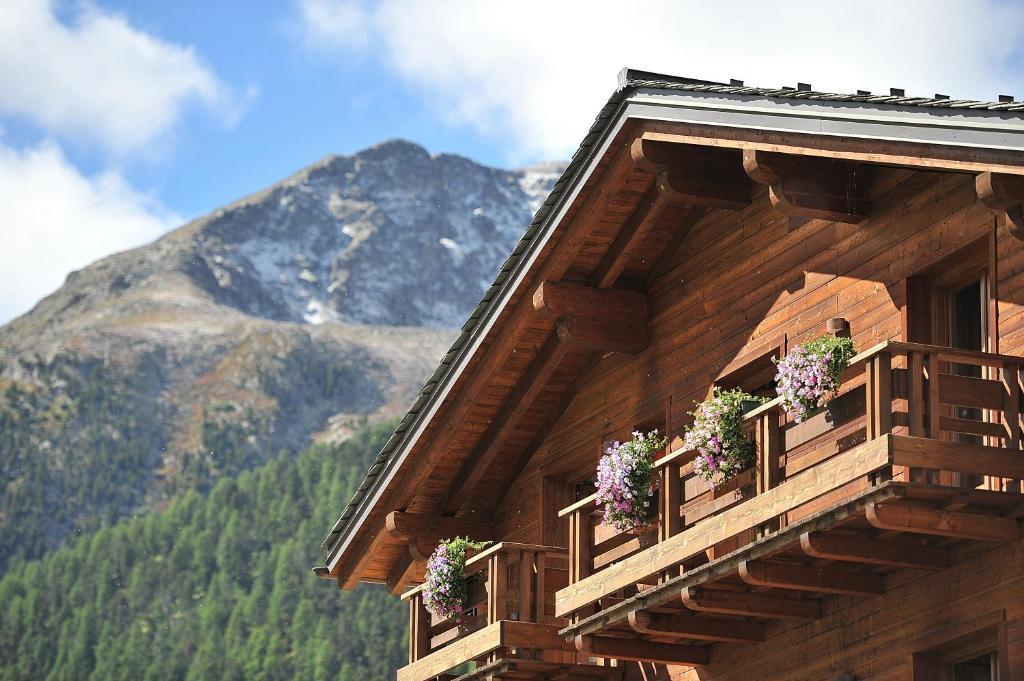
[879, 539]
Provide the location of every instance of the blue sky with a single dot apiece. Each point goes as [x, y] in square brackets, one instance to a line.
[120, 119]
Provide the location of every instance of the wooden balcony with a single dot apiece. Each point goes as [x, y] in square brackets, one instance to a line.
[919, 451]
[509, 630]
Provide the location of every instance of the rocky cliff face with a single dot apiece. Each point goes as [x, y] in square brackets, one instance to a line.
[295, 314]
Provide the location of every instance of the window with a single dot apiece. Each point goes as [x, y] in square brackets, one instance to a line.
[948, 304]
[978, 668]
[952, 655]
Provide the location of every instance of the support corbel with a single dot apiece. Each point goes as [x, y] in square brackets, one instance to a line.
[811, 187]
[1004, 194]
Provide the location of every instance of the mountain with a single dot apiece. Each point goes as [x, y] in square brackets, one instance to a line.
[292, 316]
[212, 588]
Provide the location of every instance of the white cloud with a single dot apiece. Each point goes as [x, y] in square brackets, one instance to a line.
[536, 72]
[54, 220]
[98, 79]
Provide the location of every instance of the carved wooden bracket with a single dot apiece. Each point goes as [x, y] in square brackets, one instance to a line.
[589, 318]
[1004, 194]
[426, 528]
[555, 299]
[695, 175]
[810, 186]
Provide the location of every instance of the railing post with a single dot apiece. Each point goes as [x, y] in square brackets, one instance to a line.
[934, 411]
[525, 584]
[540, 593]
[419, 629]
[878, 400]
[915, 409]
[670, 498]
[1011, 414]
[497, 587]
[768, 440]
[580, 531]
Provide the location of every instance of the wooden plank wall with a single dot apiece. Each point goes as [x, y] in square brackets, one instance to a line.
[874, 638]
[744, 278]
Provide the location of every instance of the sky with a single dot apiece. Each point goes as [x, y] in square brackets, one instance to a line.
[120, 120]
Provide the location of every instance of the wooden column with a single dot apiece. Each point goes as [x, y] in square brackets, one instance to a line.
[768, 439]
[915, 407]
[1010, 374]
[419, 629]
[497, 588]
[580, 534]
[878, 401]
[525, 585]
[670, 498]
[539, 594]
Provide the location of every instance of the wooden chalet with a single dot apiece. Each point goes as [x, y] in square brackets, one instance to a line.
[701, 230]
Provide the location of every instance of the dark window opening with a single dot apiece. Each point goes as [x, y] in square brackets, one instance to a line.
[980, 668]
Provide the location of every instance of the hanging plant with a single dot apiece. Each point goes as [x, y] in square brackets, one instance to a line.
[625, 481]
[716, 435]
[444, 590]
[809, 375]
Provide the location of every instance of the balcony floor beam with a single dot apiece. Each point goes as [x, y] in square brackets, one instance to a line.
[813, 579]
[861, 549]
[696, 628]
[766, 606]
[932, 521]
[642, 651]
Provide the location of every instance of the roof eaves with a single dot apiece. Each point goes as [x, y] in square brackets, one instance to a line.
[629, 81]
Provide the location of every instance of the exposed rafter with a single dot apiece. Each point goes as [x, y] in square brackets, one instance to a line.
[814, 579]
[556, 299]
[642, 651]
[699, 176]
[811, 187]
[695, 627]
[925, 520]
[769, 606]
[405, 571]
[859, 549]
[414, 526]
[505, 421]
[1004, 194]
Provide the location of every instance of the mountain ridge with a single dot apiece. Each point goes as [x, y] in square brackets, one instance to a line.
[294, 315]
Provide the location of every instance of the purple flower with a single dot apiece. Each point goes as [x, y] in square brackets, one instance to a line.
[624, 480]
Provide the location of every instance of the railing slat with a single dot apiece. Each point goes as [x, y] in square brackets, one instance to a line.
[1010, 375]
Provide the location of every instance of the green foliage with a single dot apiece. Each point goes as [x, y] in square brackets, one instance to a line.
[211, 587]
[716, 435]
[75, 456]
[444, 591]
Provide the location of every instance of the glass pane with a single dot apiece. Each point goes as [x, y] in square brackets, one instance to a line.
[981, 668]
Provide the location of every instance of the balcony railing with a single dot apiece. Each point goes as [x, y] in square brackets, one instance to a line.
[907, 413]
[509, 625]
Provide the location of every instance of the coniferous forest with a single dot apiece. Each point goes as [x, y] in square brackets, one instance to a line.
[214, 586]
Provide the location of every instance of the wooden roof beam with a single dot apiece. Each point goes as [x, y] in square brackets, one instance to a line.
[642, 651]
[415, 526]
[553, 299]
[407, 570]
[696, 628]
[859, 549]
[695, 175]
[812, 579]
[1004, 194]
[925, 520]
[810, 186]
[769, 606]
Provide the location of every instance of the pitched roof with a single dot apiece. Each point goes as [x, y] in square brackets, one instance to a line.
[630, 82]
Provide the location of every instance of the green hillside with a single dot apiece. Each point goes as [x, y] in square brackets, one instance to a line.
[211, 587]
